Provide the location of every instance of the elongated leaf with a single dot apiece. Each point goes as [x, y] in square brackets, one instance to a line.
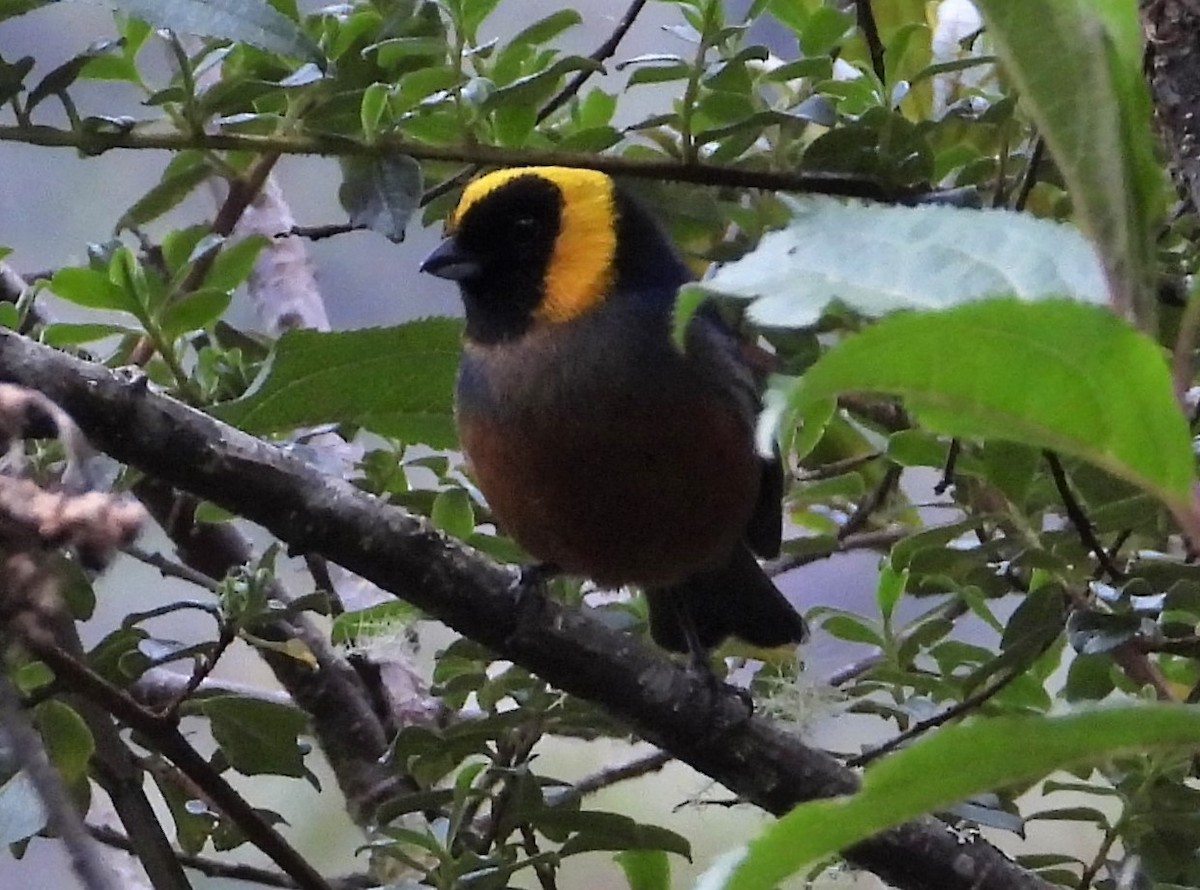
[255, 22]
[66, 73]
[1052, 374]
[929, 257]
[177, 183]
[90, 288]
[942, 769]
[551, 26]
[529, 88]
[65, 334]
[197, 310]
[396, 381]
[1080, 78]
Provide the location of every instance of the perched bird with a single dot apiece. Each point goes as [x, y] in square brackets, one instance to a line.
[602, 447]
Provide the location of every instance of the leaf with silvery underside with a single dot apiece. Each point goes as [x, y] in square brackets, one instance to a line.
[875, 260]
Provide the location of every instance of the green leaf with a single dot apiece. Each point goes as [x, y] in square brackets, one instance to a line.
[255, 22]
[194, 311]
[530, 87]
[257, 737]
[951, 765]
[12, 74]
[381, 193]
[1052, 374]
[824, 30]
[659, 73]
[67, 738]
[89, 288]
[546, 29]
[1077, 66]
[395, 381]
[350, 627]
[177, 183]
[452, 512]
[370, 112]
[927, 257]
[10, 316]
[233, 264]
[596, 830]
[645, 869]
[65, 74]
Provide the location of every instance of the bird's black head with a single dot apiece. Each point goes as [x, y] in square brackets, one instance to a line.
[527, 246]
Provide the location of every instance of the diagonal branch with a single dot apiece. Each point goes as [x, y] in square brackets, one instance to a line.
[667, 705]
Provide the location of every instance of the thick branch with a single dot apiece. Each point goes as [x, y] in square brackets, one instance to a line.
[665, 704]
[97, 142]
[1174, 70]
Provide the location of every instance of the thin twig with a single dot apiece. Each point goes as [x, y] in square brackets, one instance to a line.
[1185, 347]
[602, 53]
[97, 142]
[838, 467]
[862, 515]
[605, 778]
[1093, 868]
[233, 871]
[319, 233]
[1079, 519]
[205, 665]
[25, 746]
[1029, 180]
[957, 710]
[870, 32]
[952, 611]
[318, 568]
[165, 737]
[949, 467]
[555, 102]
[543, 870]
[169, 568]
[1138, 667]
[876, 540]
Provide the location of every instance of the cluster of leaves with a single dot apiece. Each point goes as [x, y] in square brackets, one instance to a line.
[969, 346]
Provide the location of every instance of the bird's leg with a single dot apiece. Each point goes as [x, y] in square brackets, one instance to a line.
[700, 660]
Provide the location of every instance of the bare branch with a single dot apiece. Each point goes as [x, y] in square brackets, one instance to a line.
[233, 871]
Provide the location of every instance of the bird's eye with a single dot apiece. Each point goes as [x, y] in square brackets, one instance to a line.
[525, 228]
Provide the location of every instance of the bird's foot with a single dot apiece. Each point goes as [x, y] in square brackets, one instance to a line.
[533, 574]
[700, 665]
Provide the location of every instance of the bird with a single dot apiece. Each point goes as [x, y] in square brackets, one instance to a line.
[603, 448]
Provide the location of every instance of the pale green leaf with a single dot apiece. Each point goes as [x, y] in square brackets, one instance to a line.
[1053, 374]
[949, 766]
[876, 259]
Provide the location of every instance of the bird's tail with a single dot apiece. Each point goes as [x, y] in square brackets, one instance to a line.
[736, 600]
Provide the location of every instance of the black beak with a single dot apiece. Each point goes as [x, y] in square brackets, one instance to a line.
[451, 262]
